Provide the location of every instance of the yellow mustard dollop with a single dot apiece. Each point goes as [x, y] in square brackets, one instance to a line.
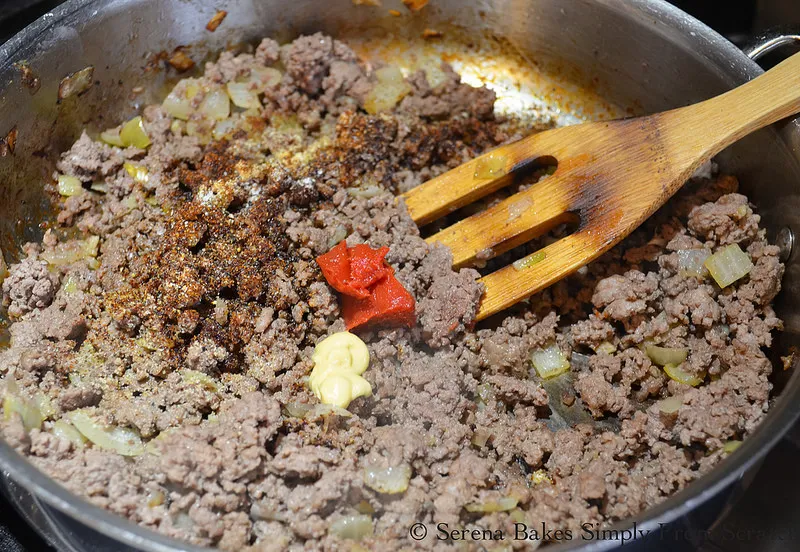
[339, 361]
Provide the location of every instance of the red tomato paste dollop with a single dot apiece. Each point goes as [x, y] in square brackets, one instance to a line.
[370, 292]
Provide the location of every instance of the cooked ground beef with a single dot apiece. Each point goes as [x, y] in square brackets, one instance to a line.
[193, 326]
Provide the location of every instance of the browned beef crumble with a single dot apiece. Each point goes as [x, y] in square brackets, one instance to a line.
[208, 267]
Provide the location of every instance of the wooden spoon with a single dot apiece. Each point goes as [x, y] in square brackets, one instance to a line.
[610, 177]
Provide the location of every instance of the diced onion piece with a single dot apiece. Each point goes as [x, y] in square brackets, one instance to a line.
[675, 373]
[122, 440]
[76, 83]
[216, 105]
[670, 405]
[731, 446]
[485, 394]
[690, 262]
[134, 134]
[489, 506]
[112, 138]
[264, 77]
[339, 233]
[242, 96]
[540, 476]
[69, 185]
[12, 387]
[65, 430]
[183, 521]
[366, 193]
[480, 437]
[177, 127]
[742, 211]
[130, 202]
[606, 347]
[31, 416]
[391, 480]
[491, 165]
[90, 246]
[200, 130]
[70, 285]
[387, 92]
[297, 409]
[666, 355]
[549, 362]
[178, 103]
[155, 498]
[728, 265]
[146, 343]
[222, 128]
[365, 507]
[435, 75]
[194, 377]
[723, 329]
[529, 261]
[324, 410]
[353, 527]
[44, 404]
[99, 187]
[137, 172]
[72, 251]
[221, 311]
[192, 88]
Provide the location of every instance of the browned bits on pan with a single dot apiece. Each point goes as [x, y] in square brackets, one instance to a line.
[180, 60]
[415, 5]
[76, 83]
[431, 33]
[29, 78]
[217, 20]
[9, 143]
[366, 2]
[788, 360]
[394, 13]
[154, 61]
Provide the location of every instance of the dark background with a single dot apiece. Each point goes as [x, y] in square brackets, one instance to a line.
[771, 503]
[736, 19]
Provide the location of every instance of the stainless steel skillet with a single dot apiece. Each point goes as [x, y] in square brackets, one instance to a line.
[643, 54]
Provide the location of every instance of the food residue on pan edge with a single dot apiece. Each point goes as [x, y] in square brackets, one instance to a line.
[214, 23]
[160, 361]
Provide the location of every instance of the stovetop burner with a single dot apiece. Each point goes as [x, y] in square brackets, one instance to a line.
[763, 507]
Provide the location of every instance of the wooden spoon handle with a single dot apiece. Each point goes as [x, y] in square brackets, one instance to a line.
[708, 127]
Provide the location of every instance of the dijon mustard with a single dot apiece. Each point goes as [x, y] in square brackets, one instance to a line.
[339, 361]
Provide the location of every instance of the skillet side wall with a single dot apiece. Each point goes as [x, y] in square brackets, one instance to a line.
[643, 54]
